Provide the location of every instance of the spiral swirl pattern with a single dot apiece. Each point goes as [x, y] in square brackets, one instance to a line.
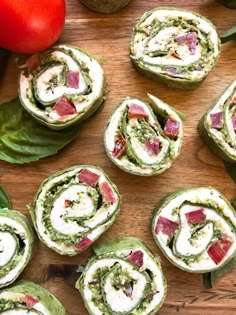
[196, 229]
[61, 86]
[74, 207]
[143, 138]
[218, 126]
[175, 46]
[16, 245]
[123, 278]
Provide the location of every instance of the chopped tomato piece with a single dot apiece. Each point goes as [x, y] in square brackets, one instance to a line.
[136, 257]
[72, 79]
[136, 111]
[153, 145]
[120, 146]
[217, 120]
[219, 249]
[172, 128]
[33, 62]
[64, 107]
[67, 203]
[30, 301]
[234, 122]
[190, 39]
[88, 177]
[107, 193]
[196, 216]
[84, 242]
[166, 226]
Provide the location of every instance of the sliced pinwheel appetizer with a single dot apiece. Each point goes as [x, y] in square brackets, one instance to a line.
[218, 126]
[175, 46]
[105, 6]
[16, 245]
[28, 298]
[74, 207]
[122, 278]
[61, 86]
[196, 229]
[143, 138]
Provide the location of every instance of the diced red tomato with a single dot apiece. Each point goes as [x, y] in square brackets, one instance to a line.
[64, 107]
[88, 177]
[84, 242]
[33, 62]
[72, 79]
[137, 111]
[217, 120]
[67, 203]
[136, 258]
[219, 249]
[120, 146]
[166, 226]
[172, 128]
[153, 145]
[107, 193]
[30, 301]
[234, 122]
[196, 216]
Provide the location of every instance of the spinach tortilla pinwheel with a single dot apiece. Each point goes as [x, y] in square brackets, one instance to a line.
[61, 86]
[218, 126]
[105, 6]
[74, 207]
[16, 245]
[196, 229]
[122, 278]
[143, 138]
[175, 46]
[28, 298]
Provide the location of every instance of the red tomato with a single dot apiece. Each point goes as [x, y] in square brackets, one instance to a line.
[29, 26]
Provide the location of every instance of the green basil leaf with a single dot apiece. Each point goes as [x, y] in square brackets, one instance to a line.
[23, 140]
[231, 170]
[4, 200]
[229, 35]
[229, 3]
[210, 278]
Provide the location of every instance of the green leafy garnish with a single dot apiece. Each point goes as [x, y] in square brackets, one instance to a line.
[23, 140]
[230, 169]
[4, 200]
[229, 3]
[229, 35]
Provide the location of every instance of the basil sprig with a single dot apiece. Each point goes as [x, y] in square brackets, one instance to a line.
[4, 199]
[229, 35]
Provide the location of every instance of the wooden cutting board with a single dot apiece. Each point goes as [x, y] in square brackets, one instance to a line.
[107, 38]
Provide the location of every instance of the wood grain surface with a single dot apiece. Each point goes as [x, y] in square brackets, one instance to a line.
[108, 37]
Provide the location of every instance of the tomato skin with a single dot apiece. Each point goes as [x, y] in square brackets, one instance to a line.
[30, 26]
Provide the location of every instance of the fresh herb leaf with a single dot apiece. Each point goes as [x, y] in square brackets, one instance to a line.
[210, 278]
[229, 35]
[23, 139]
[229, 3]
[231, 170]
[4, 200]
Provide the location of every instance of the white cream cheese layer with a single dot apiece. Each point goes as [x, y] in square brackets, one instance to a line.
[8, 244]
[176, 208]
